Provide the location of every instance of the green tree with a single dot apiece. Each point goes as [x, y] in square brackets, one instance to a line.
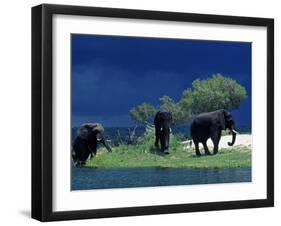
[142, 113]
[179, 114]
[185, 104]
[215, 93]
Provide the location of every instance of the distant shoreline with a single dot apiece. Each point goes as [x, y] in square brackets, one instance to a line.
[111, 132]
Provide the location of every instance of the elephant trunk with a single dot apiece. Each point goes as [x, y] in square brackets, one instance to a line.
[106, 145]
[234, 132]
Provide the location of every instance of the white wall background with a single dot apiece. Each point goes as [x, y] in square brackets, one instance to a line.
[15, 114]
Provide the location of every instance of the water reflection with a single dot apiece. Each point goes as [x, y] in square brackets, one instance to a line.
[87, 178]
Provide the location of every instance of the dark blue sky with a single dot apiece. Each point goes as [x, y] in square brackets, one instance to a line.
[112, 74]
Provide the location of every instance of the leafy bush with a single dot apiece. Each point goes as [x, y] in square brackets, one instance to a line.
[148, 139]
[217, 92]
[142, 113]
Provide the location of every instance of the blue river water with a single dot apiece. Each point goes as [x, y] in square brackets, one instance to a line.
[98, 178]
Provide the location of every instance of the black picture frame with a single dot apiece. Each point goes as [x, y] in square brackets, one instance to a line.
[42, 111]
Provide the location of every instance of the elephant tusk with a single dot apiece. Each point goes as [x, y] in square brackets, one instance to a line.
[234, 131]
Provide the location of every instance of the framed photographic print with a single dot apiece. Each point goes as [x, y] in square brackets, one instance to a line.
[145, 112]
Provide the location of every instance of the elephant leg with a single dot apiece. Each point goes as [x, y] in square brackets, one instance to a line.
[80, 163]
[207, 152]
[216, 139]
[157, 137]
[93, 150]
[196, 144]
[80, 151]
[216, 146]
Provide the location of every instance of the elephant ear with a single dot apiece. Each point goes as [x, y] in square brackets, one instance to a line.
[87, 128]
[97, 127]
[170, 117]
[83, 131]
[221, 119]
[156, 118]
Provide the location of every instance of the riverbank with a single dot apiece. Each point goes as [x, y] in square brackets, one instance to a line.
[181, 156]
[242, 140]
[104, 178]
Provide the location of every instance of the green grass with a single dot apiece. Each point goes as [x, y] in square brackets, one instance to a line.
[145, 155]
[127, 156]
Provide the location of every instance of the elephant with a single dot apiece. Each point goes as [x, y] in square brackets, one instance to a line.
[209, 125]
[85, 144]
[163, 122]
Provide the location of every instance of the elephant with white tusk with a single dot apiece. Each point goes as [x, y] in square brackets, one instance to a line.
[85, 144]
[209, 125]
[163, 121]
